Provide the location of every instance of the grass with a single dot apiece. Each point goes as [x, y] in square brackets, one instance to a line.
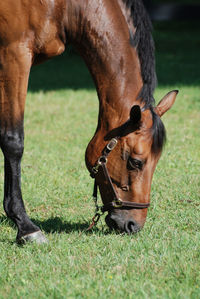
[163, 260]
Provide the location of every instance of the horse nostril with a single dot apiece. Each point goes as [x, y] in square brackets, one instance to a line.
[131, 227]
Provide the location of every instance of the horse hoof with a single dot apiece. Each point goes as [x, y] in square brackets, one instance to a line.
[37, 237]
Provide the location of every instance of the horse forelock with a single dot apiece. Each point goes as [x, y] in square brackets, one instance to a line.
[142, 40]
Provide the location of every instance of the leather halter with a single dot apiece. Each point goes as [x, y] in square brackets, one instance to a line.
[100, 172]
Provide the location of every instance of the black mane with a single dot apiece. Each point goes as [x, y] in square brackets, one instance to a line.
[142, 40]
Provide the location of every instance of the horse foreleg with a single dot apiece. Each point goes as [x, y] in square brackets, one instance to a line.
[15, 63]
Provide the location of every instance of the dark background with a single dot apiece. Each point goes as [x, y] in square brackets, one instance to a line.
[179, 9]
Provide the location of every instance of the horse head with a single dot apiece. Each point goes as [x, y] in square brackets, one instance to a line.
[125, 181]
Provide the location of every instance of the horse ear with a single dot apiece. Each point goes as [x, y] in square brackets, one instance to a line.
[166, 102]
[135, 114]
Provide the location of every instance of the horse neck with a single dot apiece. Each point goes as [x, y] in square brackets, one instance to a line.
[100, 32]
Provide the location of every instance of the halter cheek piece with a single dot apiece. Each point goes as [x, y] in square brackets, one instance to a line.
[100, 173]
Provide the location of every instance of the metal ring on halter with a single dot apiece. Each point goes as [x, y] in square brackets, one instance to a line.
[102, 160]
[117, 203]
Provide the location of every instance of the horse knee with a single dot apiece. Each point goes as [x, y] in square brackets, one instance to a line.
[12, 145]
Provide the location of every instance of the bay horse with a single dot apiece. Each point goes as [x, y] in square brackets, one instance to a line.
[114, 38]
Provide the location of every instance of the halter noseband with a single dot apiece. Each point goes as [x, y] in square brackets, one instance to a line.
[100, 172]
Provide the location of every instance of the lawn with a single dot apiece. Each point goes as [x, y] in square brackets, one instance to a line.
[163, 260]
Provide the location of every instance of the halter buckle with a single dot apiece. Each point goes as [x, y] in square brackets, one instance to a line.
[111, 145]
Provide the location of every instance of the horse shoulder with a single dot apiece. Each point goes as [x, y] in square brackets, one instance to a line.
[37, 22]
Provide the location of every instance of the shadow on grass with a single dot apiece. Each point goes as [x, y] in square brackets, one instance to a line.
[53, 225]
[177, 60]
[56, 225]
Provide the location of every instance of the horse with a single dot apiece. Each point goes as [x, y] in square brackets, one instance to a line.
[114, 37]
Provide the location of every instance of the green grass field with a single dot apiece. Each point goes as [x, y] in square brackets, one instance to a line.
[163, 260]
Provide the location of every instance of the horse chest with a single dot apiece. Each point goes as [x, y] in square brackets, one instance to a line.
[53, 47]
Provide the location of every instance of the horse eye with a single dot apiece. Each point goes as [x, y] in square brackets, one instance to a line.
[134, 164]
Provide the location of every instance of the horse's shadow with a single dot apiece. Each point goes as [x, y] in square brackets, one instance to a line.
[55, 225]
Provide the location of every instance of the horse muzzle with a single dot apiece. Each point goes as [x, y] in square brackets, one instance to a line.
[120, 221]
